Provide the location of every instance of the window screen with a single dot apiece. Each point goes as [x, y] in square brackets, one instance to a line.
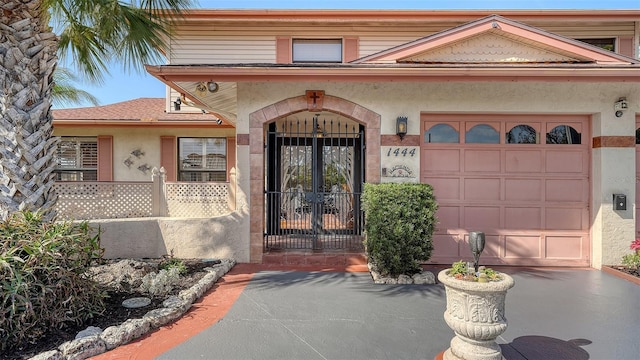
[202, 159]
[77, 159]
[317, 50]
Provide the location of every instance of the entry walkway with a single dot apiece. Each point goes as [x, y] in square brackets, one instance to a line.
[256, 312]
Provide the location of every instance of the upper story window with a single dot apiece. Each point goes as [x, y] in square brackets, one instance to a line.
[317, 50]
[77, 159]
[202, 159]
[606, 43]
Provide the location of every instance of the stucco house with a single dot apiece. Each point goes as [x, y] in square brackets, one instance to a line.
[523, 121]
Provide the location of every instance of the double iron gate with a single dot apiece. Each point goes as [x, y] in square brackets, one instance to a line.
[315, 172]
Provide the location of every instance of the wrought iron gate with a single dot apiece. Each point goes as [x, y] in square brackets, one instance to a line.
[315, 171]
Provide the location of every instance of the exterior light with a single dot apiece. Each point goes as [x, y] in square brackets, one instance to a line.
[212, 86]
[401, 126]
[176, 104]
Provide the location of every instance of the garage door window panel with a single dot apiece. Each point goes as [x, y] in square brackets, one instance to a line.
[565, 135]
[482, 134]
[442, 133]
[522, 134]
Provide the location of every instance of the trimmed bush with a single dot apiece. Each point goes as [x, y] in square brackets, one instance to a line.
[399, 224]
[43, 269]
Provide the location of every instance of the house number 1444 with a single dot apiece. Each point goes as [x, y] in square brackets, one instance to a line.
[401, 151]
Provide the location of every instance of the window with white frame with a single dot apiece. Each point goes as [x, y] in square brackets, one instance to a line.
[77, 159]
[202, 159]
[317, 50]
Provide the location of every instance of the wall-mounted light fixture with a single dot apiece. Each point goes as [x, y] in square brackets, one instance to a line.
[218, 122]
[401, 126]
[620, 106]
[212, 86]
[176, 104]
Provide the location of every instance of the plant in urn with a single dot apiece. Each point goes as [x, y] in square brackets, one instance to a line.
[475, 306]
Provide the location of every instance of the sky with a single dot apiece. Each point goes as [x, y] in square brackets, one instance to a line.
[123, 85]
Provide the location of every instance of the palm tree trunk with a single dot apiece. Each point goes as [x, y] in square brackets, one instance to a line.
[27, 61]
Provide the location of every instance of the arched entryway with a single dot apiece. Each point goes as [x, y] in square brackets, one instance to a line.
[265, 121]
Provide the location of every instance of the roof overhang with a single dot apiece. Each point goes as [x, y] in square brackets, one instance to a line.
[172, 74]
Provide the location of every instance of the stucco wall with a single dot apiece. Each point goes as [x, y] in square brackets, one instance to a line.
[184, 238]
[612, 169]
[145, 139]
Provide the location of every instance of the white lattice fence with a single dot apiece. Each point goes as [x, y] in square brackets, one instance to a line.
[103, 200]
[197, 199]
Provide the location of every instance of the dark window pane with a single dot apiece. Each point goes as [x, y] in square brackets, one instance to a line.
[607, 44]
[638, 136]
[482, 134]
[563, 134]
[521, 134]
[442, 133]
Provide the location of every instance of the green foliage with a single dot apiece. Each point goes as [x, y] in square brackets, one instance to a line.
[461, 271]
[399, 223]
[631, 260]
[43, 269]
[173, 263]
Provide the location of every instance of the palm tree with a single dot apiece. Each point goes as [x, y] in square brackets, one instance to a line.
[64, 92]
[94, 33]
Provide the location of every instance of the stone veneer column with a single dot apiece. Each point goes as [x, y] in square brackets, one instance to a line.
[612, 172]
[257, 122]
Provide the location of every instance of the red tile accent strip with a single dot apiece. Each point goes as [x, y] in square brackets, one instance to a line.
[394, 140]
[242, 139]
[614, 141]
[615, 272]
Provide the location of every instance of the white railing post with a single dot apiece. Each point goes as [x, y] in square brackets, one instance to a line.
[164, 206]
[232, 189]
[155, 193]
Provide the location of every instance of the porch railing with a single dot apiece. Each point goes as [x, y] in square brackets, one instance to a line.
[157, 198]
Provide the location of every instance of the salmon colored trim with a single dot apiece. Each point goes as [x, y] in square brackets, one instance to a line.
[284, 50]
[623, 275]
[394, 140]
[625, 45]
[242, 139]
[176, 73]
[499, 25]
[231, 155]
[168, 151]
[105, 158]
[351, 48]
[614, 141]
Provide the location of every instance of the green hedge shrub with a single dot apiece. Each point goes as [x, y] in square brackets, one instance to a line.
[399, 224]
[43, 269]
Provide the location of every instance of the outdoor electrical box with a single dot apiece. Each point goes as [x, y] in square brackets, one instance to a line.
[619, 202]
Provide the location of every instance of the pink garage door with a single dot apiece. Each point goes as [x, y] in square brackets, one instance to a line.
[523, 180]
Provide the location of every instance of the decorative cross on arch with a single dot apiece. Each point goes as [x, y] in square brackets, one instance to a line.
[314, 99]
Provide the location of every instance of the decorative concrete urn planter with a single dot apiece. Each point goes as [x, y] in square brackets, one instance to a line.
[475, 312]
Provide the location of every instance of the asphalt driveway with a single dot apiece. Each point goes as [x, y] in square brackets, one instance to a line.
[552, 314]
